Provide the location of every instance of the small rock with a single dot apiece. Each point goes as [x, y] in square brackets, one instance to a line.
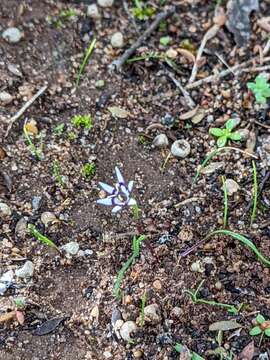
[137, 354]
[92, 11]
[71, 248]
[180, 148]
[36, 202]
[152, 314]
[21, 228]
[116, 315]
[5, 209]
[176, 312]
[5, 98]
[14, 70]
[100, 84]
[171, 53]
[105, 3]
[198, 117]
[244, 133]
[161, 141]
[5, 281]
[12, 35]
[127, 329]
[107, 355]
[168, 120]
[231, 186]
[157, 285]
[117, 40]
[197, 267]
[26, 271]
[48, 217]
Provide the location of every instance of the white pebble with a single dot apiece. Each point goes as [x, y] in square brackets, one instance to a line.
[12, 35]
[180, 148]
[5, 98]
[117, 40]
[26, 271]
[105, 3]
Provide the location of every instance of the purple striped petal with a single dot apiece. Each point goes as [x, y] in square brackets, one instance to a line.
[119, 176]
[124, 190]
[116, 209]
[131, 202]
[106, 201]
[108, 188]
[130, 186]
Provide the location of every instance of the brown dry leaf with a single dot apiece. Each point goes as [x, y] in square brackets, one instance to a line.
[187, 55]
[20, 317]
[7, 316]
[189, 114]
[224, 325]
[118, 112]
[248, 352]
[3, 154]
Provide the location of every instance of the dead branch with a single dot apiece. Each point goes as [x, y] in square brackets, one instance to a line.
[25, 107]
[118, 63]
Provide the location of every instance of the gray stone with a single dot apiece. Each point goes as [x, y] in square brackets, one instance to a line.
[12, 35]
[127, 329]
[180, 148]
[71, 248]
[161, 141]
[5, 98]
[92, 11]
[105, 3]
[117, 40]
[26, 271]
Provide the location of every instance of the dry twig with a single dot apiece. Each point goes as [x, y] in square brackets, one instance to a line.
[25, 107]
[119, 62]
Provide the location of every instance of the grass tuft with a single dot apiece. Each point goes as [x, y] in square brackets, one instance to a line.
[255, 193]
[87, 55]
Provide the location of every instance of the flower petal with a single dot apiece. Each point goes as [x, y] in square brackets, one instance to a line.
[108, 188]
[132, 202]
[106, 201]
[119, 176]
[116, 208]
[130, 186]
[124, 190]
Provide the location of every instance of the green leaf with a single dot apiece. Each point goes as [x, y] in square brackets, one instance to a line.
[222, 141]
[41, 237]
[230, 124]
[255, 331]
[267, 332]
[216, 132]
[235, 136]
[194, 356]
[260, 319]
[165, 40]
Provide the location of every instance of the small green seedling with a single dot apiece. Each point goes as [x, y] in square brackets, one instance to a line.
[41, 237]
[142, 308]
[262, 328]
[71, 135]
[142, 12]
[260, 89]
[165, 40]
[87, 55]
[84, 121]
[36, 152]
[89, 170]
[136, 211]
[197, 300]
[226, 134]
[181, 349]
[56, 170]
[19, 302]
[59, 129]
[136, 246]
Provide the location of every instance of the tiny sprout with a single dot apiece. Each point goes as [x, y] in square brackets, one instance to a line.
[226, 134]
[84, 121]
[89, 170]
[141, 12]
[260, 89]
[262, 328]
[59, 129]
[165, 40]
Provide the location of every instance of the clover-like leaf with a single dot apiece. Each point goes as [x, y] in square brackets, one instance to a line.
[260, 89]
[235, 136]
[260, 319]
[267, 332]
[222, 141]
[230, 124]
[216, 132]
[255, 331]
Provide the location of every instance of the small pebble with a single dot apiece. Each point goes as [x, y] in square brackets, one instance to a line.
[180, 148]
[12, 35]
[21, 228]
[5, 281]
[92, 11]
[197, 267]
[171, 53]
[26, 271]
[127, 329]
[48, 217]
[71, 248]
[5, 98]
[161, 141]
[105, 3]
[152, 314]
[231, 186]
[5, 209]
[117, 40]
[168, 120]
[157, 285]
[137, 354]
[100, 84]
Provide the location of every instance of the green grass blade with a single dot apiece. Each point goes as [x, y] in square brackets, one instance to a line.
[204, 163]
[225, 215]
[85, 60]
[255, 193]
[248, 243]
[41, 237]
[142, 309]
